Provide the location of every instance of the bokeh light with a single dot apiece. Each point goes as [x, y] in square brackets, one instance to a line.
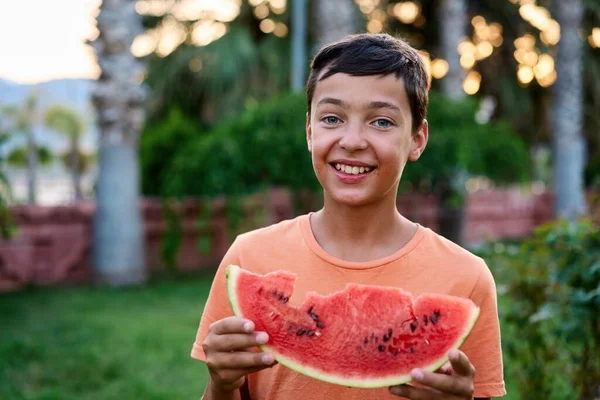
[472, 82]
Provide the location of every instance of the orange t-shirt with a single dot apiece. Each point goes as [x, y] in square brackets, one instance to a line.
[427, 263]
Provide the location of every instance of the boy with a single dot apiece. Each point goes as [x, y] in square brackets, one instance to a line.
[367, 100]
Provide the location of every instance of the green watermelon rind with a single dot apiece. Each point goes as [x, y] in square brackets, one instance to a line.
[358, 382]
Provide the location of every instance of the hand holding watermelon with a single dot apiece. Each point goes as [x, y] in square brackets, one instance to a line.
[454, 381]
[228, 356]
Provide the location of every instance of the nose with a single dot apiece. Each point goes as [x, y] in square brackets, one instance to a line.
[353, 139]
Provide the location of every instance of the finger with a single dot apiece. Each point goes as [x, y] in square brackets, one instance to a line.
[445, 369]
[237, 341]
[241, 360]
[453, 384]
[231, 325]
[234, 378]
[417, 393]
[460, 363]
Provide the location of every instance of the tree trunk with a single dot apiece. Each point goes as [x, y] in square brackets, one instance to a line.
[118, 234]
[32, 166]
[451, 191]
[335, 19]
[452, 16]
[76, 169]
[568, 139]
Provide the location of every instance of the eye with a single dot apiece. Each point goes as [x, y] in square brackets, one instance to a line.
[383, 123]
[331, 120]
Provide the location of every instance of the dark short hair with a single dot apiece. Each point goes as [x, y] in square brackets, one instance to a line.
[374, 54]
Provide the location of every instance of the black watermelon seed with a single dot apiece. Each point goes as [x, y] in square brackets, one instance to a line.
[320, 325]
[425, 320]
[381, 347]
[310, 333]
[310, 310]
[388, 335]
[413, 326]
[394, 353]
[286, 299]
[436, 313]
[411, 349]
[433, 319]
[300, 331]
[313, 316]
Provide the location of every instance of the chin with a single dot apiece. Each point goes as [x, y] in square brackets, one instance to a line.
[347, 198]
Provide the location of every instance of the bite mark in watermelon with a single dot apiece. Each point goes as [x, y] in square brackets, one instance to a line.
[363, 336]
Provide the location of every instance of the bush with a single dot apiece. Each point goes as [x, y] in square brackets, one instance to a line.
[266, 146]
[550, 306]
[457, 143]
[158, 145]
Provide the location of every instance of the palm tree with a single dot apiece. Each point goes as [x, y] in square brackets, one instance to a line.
[20, 121]
[334, 20]
[568, 140]
[118, 254]
[68, 123]
[452, 17]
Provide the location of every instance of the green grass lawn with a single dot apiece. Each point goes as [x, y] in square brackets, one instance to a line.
[90, 343]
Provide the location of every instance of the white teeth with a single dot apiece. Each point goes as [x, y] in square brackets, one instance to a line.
[352, 170]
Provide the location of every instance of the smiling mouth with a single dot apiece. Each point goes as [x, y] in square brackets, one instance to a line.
[352, 169]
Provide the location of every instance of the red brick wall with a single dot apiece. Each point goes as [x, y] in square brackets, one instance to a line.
[54, 243]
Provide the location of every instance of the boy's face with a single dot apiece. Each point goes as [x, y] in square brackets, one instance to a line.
[359, 134]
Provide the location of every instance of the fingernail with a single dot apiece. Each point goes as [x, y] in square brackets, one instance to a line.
[417, 374]
[267, 359]
[248, 326]
[262, 338]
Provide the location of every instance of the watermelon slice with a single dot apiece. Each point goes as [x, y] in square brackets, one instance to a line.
[363, 336]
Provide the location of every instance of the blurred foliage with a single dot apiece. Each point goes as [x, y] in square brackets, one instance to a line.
[458, 144]
[549, 296]
[159, 144]
[172, 237]
[7, 226]
[215, 82]
[18, 156]
[592, 172]
[265, 146]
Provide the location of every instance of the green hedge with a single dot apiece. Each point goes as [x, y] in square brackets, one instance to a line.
[265, 146]
[457, 143]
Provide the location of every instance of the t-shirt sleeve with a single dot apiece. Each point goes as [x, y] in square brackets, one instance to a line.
[217, 305]
[483, 346]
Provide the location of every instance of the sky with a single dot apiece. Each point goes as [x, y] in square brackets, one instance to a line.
[42, 40]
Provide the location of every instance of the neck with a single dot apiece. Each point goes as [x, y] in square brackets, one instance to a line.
[361, 233]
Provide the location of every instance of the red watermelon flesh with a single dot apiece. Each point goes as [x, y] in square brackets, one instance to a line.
[362, 336]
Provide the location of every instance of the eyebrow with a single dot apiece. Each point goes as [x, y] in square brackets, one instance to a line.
[372, 105]
[383, 104]
[335, 102]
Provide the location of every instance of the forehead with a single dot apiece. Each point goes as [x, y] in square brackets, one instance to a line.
[359, 90]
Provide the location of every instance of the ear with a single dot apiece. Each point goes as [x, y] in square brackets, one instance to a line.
[308, 132]
[419, 141]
